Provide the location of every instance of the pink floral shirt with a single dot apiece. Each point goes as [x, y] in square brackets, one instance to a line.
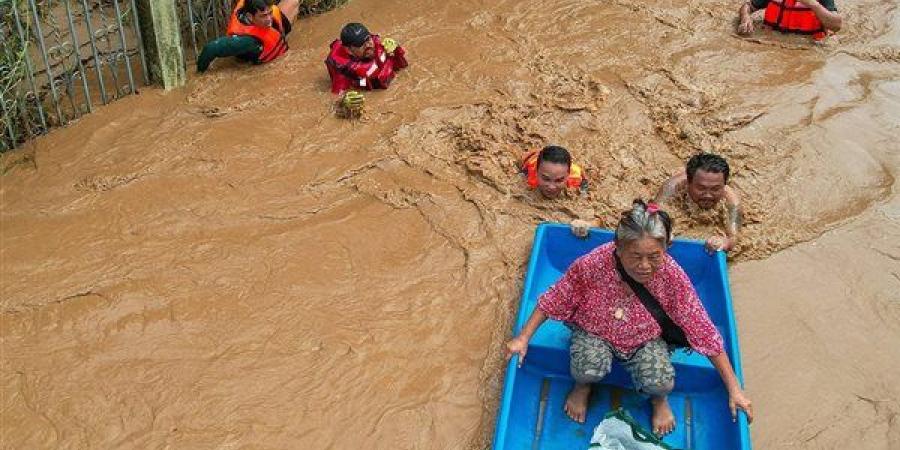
[592, 296]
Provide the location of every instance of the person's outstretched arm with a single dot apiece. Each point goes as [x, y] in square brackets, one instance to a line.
[734, 218]
[559, 302]
[669, 188]
[226, 46]
[736, 398]
[519, 344]
[745, 18]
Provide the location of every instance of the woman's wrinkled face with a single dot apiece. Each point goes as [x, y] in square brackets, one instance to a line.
[551, 178]
[641, 258]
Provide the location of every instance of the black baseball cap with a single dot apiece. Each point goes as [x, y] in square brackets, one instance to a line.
[354, 34]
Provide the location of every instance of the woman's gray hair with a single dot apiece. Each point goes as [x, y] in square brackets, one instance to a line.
[644, 220]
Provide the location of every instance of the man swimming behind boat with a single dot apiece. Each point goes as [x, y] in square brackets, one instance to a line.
[701, 193]
[630, 301]
[361, 61]
[551, 172]
[256, 33]
[812, 17]
[697, 194]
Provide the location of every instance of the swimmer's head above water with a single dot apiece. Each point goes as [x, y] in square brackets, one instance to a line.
[707, 175]
[259, 12]
[355, 37]
[553, 165]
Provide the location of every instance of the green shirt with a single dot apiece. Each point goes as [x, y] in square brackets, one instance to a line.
[244, 47]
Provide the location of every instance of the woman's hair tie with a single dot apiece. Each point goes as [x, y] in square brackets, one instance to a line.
[652, 208]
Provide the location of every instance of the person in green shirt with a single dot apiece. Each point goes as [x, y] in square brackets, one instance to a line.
[256, 33]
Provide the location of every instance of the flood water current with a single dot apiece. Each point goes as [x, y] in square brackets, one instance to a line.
[228, 265]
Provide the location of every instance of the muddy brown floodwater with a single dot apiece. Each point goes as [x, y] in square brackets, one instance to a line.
[230, 266]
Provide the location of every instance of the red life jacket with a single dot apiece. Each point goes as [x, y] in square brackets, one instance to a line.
[576, 174]
[793, 17]
[348, 72]
[272, 38]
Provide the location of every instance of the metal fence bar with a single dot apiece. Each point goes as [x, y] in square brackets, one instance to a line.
[124, 45]
[190, 8]
[225, 11]
[59, 56]
[77, 49]
[140, 41]
[98, 64]
[202, 21]
[112, 61]
[40, 35]
[29, 70]
[212, 12]
[8, 120]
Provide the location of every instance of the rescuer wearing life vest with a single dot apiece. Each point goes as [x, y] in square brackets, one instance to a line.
[812, 17]
[256, 33]
[361, 61]
[551, 171]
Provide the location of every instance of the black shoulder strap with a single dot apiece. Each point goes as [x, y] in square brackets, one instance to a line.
[671, 333]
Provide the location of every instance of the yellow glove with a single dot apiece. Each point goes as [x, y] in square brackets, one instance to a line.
[389, 45]
[353, 101]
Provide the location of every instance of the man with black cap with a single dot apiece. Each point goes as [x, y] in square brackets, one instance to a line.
[360, 60]
[256, 32]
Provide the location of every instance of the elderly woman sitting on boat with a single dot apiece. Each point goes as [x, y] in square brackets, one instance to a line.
[631, 301]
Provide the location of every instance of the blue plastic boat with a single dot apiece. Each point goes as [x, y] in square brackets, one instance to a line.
[531, 412]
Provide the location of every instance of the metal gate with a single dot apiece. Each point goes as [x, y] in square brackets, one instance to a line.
[201, 21]
[61, 58]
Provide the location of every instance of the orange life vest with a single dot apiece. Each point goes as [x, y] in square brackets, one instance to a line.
[793, 17]
[271, 38]
[576, 173]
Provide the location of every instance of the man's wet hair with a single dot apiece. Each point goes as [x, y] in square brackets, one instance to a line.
[255, 6]
[554, 154]
[707, 162]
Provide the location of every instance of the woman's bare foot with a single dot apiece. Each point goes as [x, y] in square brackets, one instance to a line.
[577, 401]
[663, 419]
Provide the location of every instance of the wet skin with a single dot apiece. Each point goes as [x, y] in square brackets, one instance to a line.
[706, 189]
[552, 178]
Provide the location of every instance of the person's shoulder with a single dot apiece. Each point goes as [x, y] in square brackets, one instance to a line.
[732, 196]
[598, 256]
[670, 187]
[591, 257]
[677, 179]
[527, 156]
